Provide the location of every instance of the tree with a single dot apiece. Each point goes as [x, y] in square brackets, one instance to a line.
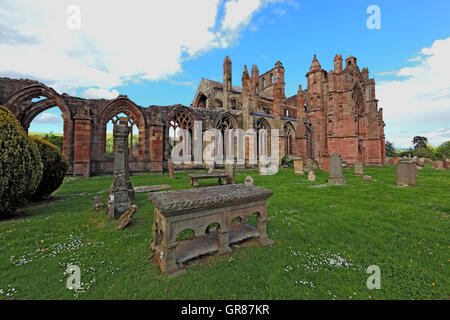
[419, 141]
[390, 150]
[443, 151]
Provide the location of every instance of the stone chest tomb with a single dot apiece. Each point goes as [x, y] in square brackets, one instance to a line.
[228, 206]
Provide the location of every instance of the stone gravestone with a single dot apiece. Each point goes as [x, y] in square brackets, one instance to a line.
[336, 172]
[98, 203]
[249, 181]
[367, 178]
[406, 174]
[316, 164]
[298, 166]
[229, 171]
[311, 176]
[439, 165]
[211, 169]
[358, 168]
[171, 169]
[309, 165]
[119, 196]
[126, 217]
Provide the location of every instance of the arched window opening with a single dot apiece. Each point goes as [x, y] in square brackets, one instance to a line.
[48, 125]
[133, 137]
[180, 120]
[201, 101]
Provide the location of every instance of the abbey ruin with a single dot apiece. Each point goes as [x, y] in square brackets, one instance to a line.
[336, 113]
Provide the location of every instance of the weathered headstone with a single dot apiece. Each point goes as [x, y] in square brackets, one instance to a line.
[249, 181]
[211, 169]
[309, 165]
[298, 166]
[98, 203]
[311, 176]
[316, 164]
[126, 217]
[439, 165]
[119, 197]
[358, 168]
[336, 172]
[406, 174]
[367, 178]
[171, 169]
[395, 160]
[229, 171]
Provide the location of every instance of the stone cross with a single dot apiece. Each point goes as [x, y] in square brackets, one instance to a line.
[336, 173]
[358, 168]
[119, 195]
[406, 174]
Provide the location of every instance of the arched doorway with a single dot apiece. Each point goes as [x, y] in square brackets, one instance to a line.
[289, 134]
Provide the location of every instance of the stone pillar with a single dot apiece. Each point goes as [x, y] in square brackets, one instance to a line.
[223, 241]
[82, 143]
[119, 197]
[336, 173]
[261, 223]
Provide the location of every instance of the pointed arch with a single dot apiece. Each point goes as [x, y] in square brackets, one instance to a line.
[20, 103]
[123, 105]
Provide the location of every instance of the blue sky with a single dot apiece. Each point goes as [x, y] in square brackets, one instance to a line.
[157, 53]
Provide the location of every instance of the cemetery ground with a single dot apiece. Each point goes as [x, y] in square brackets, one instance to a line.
[325, 239]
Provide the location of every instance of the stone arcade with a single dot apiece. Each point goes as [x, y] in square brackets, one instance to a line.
[337, 113]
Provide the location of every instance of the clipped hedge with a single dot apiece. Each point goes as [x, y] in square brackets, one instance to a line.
[21, 167]
[55, 167]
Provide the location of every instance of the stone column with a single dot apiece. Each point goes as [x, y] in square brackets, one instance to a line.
[119, 196]
[82, 143]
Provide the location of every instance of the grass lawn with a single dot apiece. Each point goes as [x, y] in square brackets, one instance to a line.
[325, 238]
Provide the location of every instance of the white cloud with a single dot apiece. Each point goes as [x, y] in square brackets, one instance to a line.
[95, 93]
[419, 101]
[48, 118]
[118, 41]
[403, 139]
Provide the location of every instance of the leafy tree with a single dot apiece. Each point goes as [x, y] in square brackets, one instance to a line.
[443, 151]
[422, 152]
[419, 141]
[390, 150]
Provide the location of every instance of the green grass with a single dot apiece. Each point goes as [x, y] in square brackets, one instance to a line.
[405, 231]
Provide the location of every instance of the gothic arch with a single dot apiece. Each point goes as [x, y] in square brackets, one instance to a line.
[25, 110]
[226, 121]
[289, 135]
[124, 105]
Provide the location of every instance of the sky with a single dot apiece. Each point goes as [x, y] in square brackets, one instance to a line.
[156, 52]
